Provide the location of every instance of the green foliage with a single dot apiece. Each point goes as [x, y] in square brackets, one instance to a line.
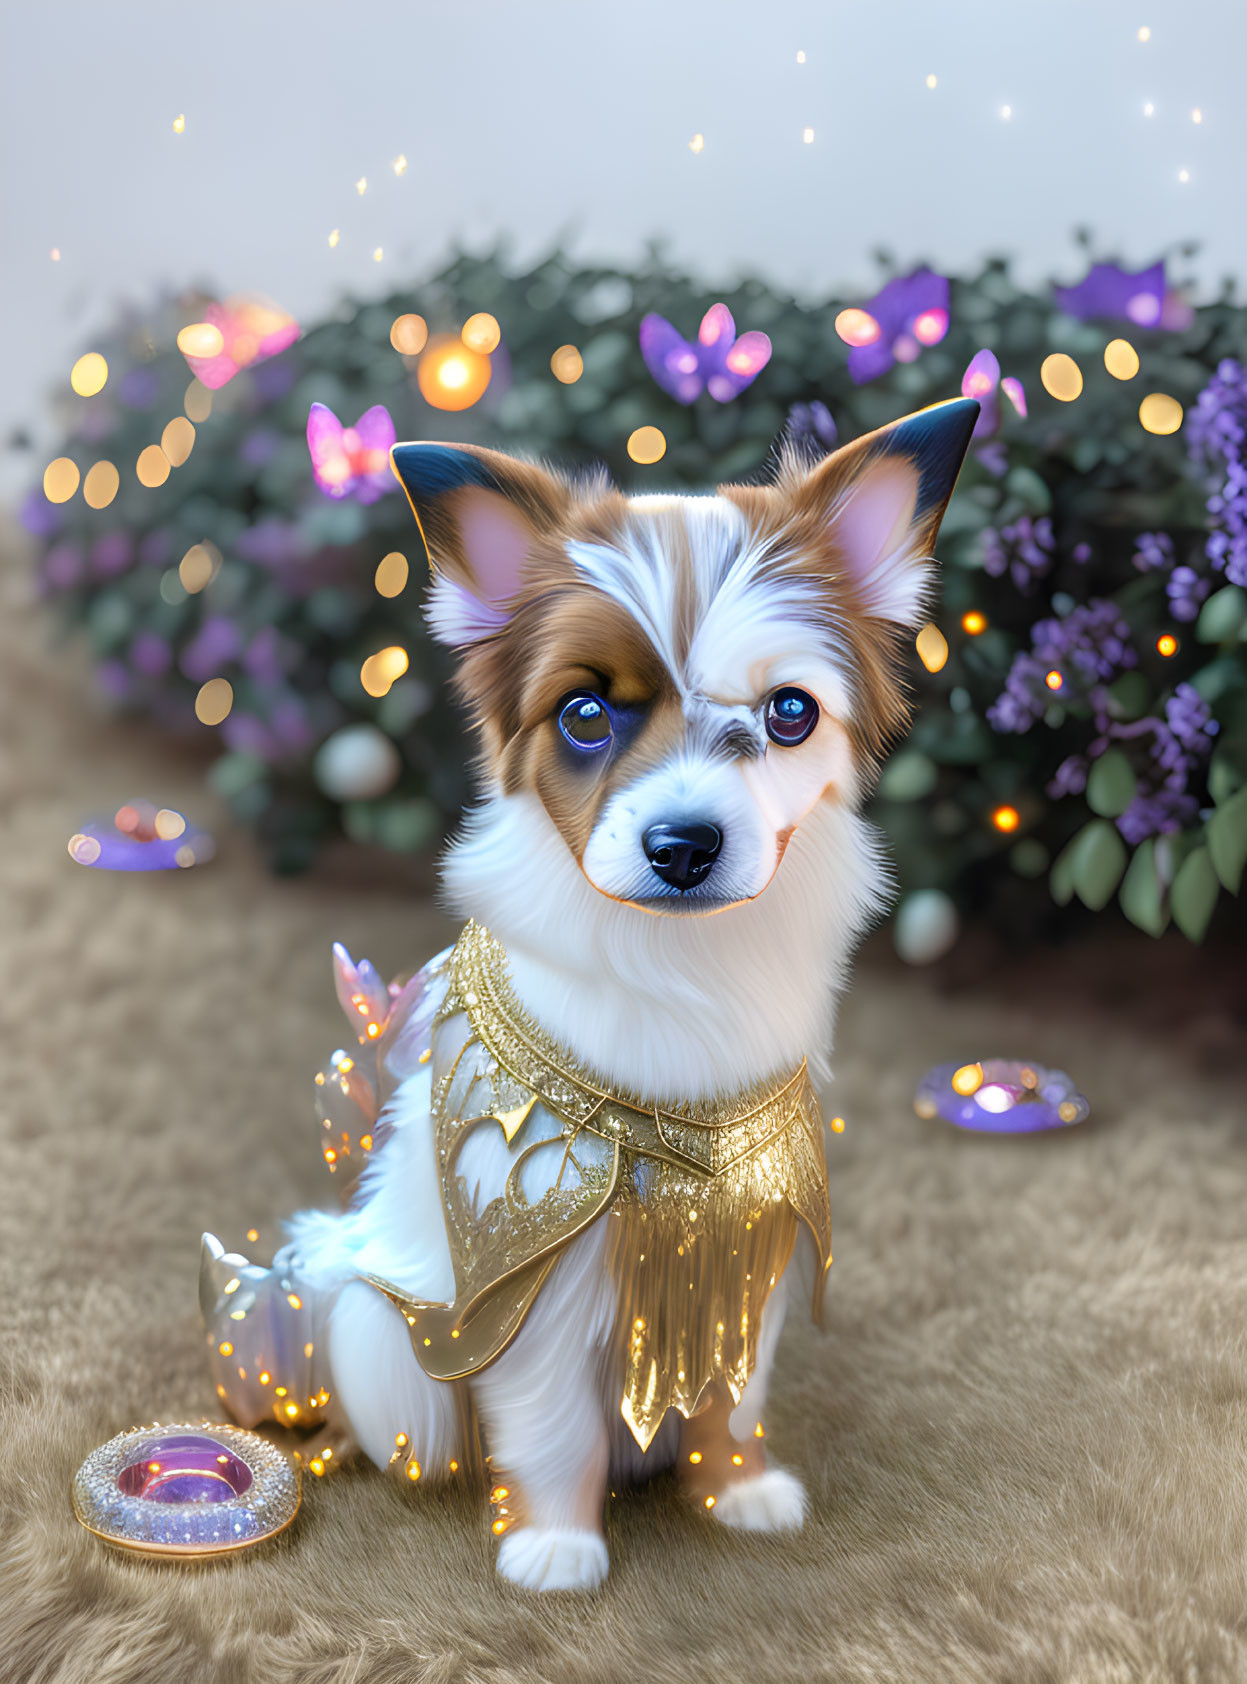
[295, 610]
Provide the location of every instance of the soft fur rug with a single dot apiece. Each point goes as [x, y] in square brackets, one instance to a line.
[1024, 1430]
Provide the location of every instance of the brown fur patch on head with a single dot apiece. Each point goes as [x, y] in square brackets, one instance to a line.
[792, 515]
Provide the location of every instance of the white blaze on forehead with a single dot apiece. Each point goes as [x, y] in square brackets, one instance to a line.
[726, 621]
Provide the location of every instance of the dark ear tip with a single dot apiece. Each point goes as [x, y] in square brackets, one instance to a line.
[936, 439]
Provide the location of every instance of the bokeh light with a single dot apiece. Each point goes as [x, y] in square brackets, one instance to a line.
[198, 401]
[152, 466]
[214, 701]
[378, 253]
[409, 334]
[201, 339]
[1061, 376]
[335, 234]
[932, 647]
[60, 480]
[89, 375]
[361, 186]
[100, 486]
[1144, 33]
[1166, 644]
[481, 333]
[698, 143]
[85, 850]
[1160, 413]
[857, 327]
[382, 670]
[450, 374]
[933, 82]
[179, 123]
[391, 575]
[400, 164]
[178, 440]
[967, 1080]
[199, 567]
[1053, 679]
[169, 825]
[647, 445]
[973, 623]
[1006, 819]
[567, 365]
[807, 136]
[931, 326]
[1121, 359]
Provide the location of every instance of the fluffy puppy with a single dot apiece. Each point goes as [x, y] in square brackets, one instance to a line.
[681, 702]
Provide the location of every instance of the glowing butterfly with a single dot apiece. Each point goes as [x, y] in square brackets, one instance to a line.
[351, 461]
[718, 363]
[907, 314]
[981, 380]
[904, 317]
[1139, 296]
[250, 329]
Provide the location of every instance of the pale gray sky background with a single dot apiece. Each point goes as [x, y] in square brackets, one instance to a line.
[572, 118]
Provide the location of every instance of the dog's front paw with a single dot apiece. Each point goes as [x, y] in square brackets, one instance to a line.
[773, 1501]
[555, 1560]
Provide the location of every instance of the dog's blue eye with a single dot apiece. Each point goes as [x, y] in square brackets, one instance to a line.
[585, 722]
[791, 715]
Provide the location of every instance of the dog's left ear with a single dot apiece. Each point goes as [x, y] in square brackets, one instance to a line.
[879, 502]
[480, 514]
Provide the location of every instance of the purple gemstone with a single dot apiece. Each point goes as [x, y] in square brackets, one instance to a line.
[184, 1468]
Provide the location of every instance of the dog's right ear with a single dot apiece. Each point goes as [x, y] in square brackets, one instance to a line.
[480, 514]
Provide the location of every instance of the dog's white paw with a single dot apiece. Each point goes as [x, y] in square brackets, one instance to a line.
[555, 1560]
[773, 1501]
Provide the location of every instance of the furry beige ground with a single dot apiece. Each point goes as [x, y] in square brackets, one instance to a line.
[1024, 1431]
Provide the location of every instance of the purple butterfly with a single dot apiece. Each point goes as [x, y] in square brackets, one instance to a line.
[1118, 294]
[892, 327]
[981, 380]
[718, 363]
[351, 461]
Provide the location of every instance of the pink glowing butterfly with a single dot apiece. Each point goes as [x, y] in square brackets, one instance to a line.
[980, 381]
[719, 363]
[249, 329]
[351, 461]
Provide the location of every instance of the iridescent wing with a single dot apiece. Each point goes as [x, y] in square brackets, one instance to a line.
[672, 361]
[331, 466]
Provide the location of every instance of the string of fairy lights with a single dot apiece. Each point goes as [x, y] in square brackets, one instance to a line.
[453, 371]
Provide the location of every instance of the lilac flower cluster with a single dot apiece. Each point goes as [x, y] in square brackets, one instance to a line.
[1023, 550]
[1217, 440]
[1153, 550]
[1089, 648]
[1186, 592]
[1168, 756]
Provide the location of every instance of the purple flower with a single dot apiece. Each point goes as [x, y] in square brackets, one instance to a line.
[1118, 294]
[1070, 777]
[1186, 592]
[139, 389]
[214, 645]
[981, 380]
[112, 554]
[259, 446]
[810, 425]
[150, 655]
[351, 461]
[1023, 550]
[1153, 550]
[1083, 652]
[114, 679]
[1217, 442]
[1190, 719]
[62, 565]
[892, 327]
[39, 516]
[1159, 812]
[719, 362]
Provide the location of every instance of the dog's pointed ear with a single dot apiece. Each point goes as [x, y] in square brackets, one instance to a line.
[879, 502]
[480, 514]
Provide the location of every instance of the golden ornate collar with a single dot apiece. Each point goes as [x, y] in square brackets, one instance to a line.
[712, 1197]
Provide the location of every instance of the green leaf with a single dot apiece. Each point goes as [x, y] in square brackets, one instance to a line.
[1194, 894]
[1224, 778]
[1222, 615]
[1026, 484]
[1140, 895]
[1227, 840]
[1099, 860]
[1110, 784]
[1128, 696]
[1061, 877]
[908, 776]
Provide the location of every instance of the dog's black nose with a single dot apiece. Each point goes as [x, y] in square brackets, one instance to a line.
[682, 854]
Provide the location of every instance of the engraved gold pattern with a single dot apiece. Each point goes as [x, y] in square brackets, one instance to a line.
[705, 1201]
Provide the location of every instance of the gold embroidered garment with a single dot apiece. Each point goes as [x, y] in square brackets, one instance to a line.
[704, 1203]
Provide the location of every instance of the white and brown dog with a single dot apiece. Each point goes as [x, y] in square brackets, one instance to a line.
[681, 703]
